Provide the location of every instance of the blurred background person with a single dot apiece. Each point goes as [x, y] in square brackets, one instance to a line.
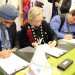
[63, 6]
[60, 6]
[54, 8]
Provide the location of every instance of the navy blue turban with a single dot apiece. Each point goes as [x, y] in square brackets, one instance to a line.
[8, 12]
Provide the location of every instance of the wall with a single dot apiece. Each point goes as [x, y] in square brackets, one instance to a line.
[2, 2]
[16, 4]
[18, 19]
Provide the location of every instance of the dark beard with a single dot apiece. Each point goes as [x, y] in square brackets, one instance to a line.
[2, 26]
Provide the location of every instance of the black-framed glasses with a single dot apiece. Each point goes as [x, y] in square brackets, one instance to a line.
[6, 22]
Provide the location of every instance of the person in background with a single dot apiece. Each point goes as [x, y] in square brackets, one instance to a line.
[60, 6]
[37, 31]
[54, 8]
[68, 28]
[63, 6]
[8, 34]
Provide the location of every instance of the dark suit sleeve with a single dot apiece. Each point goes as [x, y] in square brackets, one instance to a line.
[13, 36]
[24, 40]
[66, 4]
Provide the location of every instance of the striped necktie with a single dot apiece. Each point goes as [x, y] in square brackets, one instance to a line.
[4, 40]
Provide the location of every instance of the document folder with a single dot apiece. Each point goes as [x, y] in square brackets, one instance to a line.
[12, 64]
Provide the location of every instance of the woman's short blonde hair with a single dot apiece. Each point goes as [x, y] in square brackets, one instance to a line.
[33, 12]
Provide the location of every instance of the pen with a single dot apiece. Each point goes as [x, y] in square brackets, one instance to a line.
[20, 68]
[6, 48]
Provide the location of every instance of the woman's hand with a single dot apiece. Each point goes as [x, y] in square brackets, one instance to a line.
[52, 43]
[34, 44]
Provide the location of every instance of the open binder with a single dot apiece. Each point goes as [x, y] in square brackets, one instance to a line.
[56, 51]
[12, 64]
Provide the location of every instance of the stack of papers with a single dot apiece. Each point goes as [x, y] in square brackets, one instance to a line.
[71, 41]
[12, 64]
[54, 51]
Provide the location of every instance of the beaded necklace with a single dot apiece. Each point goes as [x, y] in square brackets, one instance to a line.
[39, 39]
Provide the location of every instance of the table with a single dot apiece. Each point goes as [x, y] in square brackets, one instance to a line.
[1, 73]
[55, 61]
[52, 60]
[71, 69]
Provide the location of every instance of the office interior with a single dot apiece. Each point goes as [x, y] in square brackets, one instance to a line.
[20, 4]
[54, 61]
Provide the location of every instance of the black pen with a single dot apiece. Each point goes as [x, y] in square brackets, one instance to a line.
[6, 48]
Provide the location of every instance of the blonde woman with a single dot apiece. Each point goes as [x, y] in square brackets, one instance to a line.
[37, 31]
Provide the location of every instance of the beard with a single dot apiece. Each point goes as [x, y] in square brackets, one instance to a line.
[2, 25]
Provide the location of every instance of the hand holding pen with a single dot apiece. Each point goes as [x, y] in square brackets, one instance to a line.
[34, 44]
[68, 37]
[5, 53]
[11, 50]
[52, 43]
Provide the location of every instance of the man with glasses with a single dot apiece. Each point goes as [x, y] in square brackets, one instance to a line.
[68, 28]
[8, 34]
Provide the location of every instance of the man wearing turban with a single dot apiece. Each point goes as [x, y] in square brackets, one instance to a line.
[8, 33]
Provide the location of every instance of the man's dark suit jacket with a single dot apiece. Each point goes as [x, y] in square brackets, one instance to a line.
[66, 4]
[12, 36]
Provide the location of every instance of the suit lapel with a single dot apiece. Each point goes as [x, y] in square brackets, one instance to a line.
[10, 35]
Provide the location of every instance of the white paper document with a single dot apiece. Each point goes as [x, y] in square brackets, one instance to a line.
[12, 64]
[54, 51]
[71, 41]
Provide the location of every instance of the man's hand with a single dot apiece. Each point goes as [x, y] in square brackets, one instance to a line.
[14, 49]
[5, 53]
[68, 37]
